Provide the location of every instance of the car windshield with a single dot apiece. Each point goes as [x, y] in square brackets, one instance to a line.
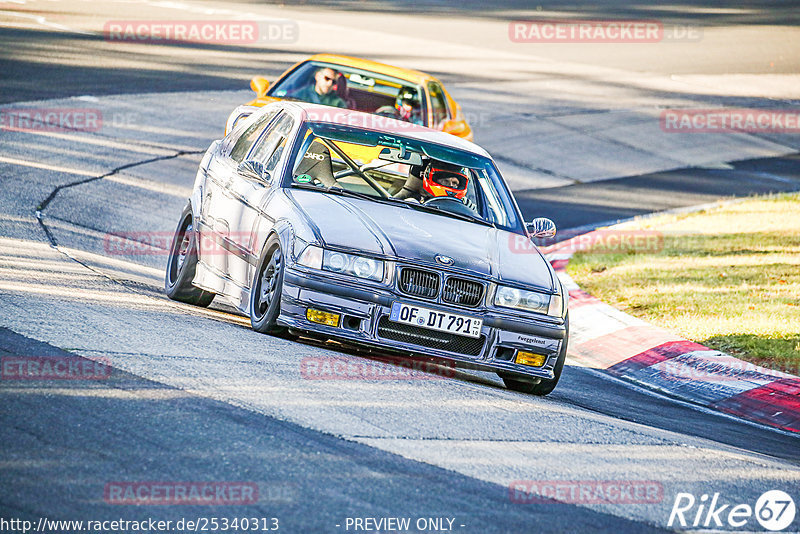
[353, 88]
[411, 173]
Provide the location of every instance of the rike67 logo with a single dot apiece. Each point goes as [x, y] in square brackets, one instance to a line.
[774, 510]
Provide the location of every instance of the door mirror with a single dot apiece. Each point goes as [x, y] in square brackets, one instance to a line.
[253, 170]
[541, 227]
[400, 155]
[259, 84]
[454, 127]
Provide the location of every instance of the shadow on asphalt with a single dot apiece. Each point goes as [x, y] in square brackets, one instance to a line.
[607, 201]
[65, 441]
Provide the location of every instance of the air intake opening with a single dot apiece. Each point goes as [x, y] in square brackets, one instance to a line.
[505, 354]
[351, 323]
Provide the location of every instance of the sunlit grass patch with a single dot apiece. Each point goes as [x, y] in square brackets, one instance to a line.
[727, 277]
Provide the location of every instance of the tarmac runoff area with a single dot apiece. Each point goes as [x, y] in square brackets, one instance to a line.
[552, 114]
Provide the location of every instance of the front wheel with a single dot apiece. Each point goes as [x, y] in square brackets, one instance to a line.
[266, 289]
[182, 264]
[543, 387]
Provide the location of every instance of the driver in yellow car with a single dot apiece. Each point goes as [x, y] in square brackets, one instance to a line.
[407, 105]
[323, 90]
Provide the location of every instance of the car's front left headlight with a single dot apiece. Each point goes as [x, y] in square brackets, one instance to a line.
[520, 299]
[360, 266]
[310, 255]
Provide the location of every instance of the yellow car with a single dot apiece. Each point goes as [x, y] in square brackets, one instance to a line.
[363, 85]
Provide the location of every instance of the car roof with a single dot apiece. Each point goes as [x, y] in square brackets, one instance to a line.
[369, 121]
[374, 66]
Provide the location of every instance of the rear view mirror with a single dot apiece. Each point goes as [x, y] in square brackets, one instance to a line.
[541, 228]
[259, 84]
[398, 155]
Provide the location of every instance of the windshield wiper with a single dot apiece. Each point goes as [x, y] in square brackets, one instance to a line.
[462, 216]
[394, 202]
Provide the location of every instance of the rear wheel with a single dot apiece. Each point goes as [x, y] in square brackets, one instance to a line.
[266, 289]
[182, 264]
[518, 383]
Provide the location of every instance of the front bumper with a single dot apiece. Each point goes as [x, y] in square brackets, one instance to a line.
[365, 309]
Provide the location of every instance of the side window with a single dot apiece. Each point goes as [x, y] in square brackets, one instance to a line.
[250, 134]
[500, 209]
[269, 148]
[438, 103]
[471, 197]
[273, 160]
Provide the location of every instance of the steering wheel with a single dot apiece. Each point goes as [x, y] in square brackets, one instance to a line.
[453, 205]
[386, 111]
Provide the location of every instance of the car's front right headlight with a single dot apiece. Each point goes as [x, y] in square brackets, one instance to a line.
[520, 299]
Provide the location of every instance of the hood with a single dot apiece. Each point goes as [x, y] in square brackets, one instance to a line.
[401, 233]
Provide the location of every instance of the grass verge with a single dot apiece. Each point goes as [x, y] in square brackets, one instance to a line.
[727, 277]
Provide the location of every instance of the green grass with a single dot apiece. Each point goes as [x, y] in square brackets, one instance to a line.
[727, 277]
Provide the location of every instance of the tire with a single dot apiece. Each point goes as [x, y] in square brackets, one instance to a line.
[182, 264]
[544, 387]
[266, 289]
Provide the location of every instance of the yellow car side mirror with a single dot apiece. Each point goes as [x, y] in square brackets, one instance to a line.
[259, 84]
[455, 127]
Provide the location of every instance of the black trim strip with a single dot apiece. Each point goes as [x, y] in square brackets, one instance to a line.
[512, 325]
[336, 289]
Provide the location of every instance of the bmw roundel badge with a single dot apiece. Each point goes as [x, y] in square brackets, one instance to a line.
[445, 260]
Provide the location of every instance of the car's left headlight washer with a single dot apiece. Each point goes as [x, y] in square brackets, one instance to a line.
[340, 262]
[533, 301]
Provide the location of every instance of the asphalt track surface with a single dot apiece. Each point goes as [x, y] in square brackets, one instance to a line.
[195, 395]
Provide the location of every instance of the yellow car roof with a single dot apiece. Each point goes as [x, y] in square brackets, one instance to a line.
[373, 66]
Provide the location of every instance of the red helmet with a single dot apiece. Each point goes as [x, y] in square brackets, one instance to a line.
[443, 179]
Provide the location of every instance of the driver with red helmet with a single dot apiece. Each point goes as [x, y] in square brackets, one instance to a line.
[444, 180]
[436, 179]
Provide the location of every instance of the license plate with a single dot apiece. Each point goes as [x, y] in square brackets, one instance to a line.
[436, 320]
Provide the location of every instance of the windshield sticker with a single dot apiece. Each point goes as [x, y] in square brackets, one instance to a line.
[303, 178]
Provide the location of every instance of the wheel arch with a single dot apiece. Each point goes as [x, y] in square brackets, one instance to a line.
[285, 232]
